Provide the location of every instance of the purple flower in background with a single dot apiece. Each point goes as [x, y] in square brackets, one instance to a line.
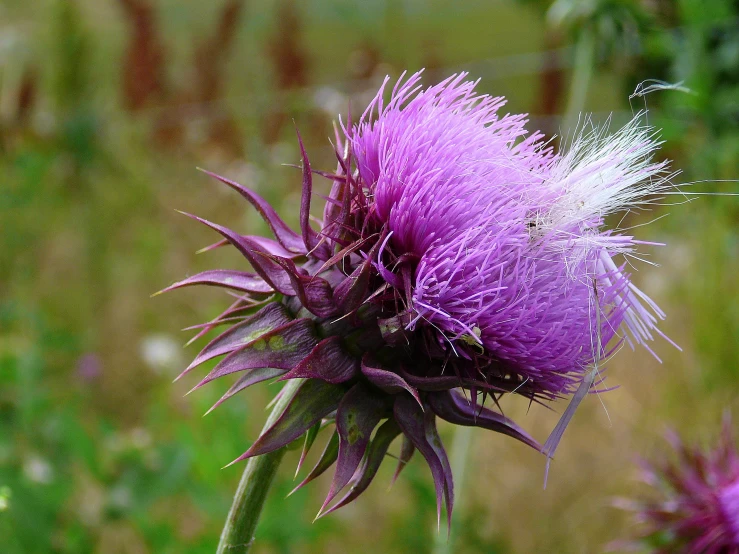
[458, 259]
[89, 367]
[694, 505]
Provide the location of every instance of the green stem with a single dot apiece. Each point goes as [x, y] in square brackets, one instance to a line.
[581, 74]
[459, 455]
[238, 533]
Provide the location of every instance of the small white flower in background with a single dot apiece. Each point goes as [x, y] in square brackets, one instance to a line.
[38, 470]
[136, 439]
[247, 172]
[330, 100]
[121, 497]
[280, 151]
[162, 353]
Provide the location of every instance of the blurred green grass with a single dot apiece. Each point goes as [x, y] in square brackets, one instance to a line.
[100, 452]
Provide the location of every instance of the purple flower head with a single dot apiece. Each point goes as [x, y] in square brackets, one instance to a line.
[694, 505]
[458, 259]
[502, 238]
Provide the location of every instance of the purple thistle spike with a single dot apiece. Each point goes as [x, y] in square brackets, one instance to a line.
[694, 505]
[456, 252]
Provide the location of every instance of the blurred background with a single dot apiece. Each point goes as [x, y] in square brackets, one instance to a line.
[106, 109]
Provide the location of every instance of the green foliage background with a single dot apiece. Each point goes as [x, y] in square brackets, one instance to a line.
[116, 460]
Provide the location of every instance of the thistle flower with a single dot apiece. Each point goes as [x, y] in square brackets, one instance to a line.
[458, 259]
[694, 507]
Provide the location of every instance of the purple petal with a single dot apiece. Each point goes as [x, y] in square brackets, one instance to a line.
[286, 236]
[219, 321]
[391, 278]
[238, 308]
[220, 244]
[353, 290]
[332, 210]
[328, 362]
[273, 247]
[253, 377]
[452, 407]
[314, 293]
[274, 315]
[358, 414]
[339, 189]
[281, 348]
[337, 211]
[385, 380]
[268, 245]
[237, 280]
[438, 383]
[272, 274]
[236, 313]
[330, 453]
[313, 401]
[420, 428]
[385, 435]
[432, 435]
[344, 252]
[310, 237]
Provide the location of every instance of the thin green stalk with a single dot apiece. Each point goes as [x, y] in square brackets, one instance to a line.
[444, 544]
[581, 75]
[238, 533]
